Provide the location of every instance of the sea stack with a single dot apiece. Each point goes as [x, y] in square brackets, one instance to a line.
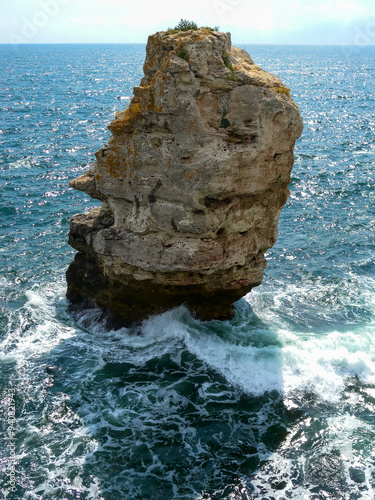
[191, 184]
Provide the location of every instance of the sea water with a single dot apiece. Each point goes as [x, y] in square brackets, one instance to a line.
[278, 403]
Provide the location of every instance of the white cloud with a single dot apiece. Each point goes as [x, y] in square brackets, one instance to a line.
[343, 5]
[6, 22]
[122, 20]
[344, 10]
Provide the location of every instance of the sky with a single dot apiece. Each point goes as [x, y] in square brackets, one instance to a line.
[349, 22]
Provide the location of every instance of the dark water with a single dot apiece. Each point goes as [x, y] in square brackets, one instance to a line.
[278, 403]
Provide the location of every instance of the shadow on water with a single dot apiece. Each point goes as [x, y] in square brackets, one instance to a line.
[176, 409]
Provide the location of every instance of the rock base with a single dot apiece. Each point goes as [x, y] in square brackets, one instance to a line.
[124, 305]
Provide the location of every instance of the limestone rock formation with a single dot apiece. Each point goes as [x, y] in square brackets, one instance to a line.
[192, 182]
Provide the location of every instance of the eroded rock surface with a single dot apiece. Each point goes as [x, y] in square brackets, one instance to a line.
[192, 182]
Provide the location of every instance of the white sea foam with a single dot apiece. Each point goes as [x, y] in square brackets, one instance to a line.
[256, 361]
[318, 359]
[338, 441]
[37, 330]
[255, 370]
[22, 163]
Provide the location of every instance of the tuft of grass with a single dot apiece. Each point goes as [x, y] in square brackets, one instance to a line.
[183, 55]
[283, 90]
[208, 28]
[229, 65]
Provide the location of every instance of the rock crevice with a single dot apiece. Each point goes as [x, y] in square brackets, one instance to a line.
[192, 182]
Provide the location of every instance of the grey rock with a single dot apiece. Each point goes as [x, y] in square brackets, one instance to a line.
[192, 182]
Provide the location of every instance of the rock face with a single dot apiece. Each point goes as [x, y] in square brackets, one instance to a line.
[192, 182]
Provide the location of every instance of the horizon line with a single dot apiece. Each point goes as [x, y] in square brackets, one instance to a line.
[144, 43]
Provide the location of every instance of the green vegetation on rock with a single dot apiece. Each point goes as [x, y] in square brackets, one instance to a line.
[229, 65]
[183, 55]
[185, 25]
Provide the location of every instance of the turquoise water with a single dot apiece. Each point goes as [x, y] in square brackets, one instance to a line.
[278, 403]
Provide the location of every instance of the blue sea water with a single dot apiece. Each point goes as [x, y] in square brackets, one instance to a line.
[278, 403]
